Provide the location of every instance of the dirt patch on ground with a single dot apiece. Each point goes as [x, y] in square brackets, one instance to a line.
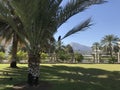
[43, 85]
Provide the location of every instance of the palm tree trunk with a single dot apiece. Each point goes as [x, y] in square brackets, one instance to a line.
[111, 51]
[13, 63]
[72, 58]
[33, 69]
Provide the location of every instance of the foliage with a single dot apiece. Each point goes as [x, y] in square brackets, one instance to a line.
[36, 25]
[21, 55]
[62, 55]
[2, 55]
[116, 48]
[44, 55]
[112, 60]
[26, 16]
[109, 47]
[10, 23]
[78, 57]
[2, 48]
[96, 46]
[108, 42]
[69, 49]
[40, 20]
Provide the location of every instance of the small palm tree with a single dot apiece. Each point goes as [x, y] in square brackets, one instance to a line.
[40, 20]
[96, 48]
[108, 42]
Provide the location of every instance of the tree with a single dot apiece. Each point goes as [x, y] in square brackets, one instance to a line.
[40, 20]
[96, 47]
[2, 48]
[70, 51]
[109, 41]
[7, 32]
[9, 35]
[78, 57]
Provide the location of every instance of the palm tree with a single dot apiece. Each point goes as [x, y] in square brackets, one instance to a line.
[109, 41]
[96, 48]
[95, 45]
[40, 20]
[7, 33]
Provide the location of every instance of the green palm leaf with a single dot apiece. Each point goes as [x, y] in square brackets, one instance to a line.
[81, 27]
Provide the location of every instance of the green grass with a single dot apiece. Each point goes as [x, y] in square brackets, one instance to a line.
[66, 76]
[19, 75]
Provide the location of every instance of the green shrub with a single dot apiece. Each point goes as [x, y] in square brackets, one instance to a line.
[21, 55]
[62, 55]
[112, 60]
[79, 57]
[44, 56]
[2, 55]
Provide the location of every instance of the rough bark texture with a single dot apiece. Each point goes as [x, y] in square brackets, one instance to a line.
[33, 69]
[19, 25]
[13, 63]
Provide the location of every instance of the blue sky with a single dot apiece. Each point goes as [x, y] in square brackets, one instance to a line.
[105, 20]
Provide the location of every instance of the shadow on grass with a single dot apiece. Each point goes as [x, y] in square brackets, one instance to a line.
[11, 76]
[78, 78]
[64, 78]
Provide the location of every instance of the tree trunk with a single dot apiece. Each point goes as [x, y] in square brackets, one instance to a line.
[13, 63]
[33, 69]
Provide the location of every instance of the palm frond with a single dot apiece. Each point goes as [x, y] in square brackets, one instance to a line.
[41, 18]
[73, 7]
[81, 27]
[98, 1]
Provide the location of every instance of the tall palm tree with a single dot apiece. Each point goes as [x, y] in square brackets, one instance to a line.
[7, 32]
[40, 20]
[95, 45]
[96, 49]
[109, 41]
[8, 35]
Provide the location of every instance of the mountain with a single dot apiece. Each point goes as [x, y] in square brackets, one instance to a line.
[81, 48]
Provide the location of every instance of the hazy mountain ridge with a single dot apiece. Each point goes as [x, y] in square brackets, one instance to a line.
[81, 48]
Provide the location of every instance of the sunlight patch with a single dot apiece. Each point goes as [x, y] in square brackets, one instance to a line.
[102, 76]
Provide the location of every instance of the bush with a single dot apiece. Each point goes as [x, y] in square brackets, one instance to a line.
[21, 55]
[79, 57]
[112, 60]
[62, 55]
[2, 56]
[44, 56]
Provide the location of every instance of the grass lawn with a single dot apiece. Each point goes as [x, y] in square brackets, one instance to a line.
[66, 76]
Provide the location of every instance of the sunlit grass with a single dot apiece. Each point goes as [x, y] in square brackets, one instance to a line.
[82, 76]
[66, 76]
[108, 67]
